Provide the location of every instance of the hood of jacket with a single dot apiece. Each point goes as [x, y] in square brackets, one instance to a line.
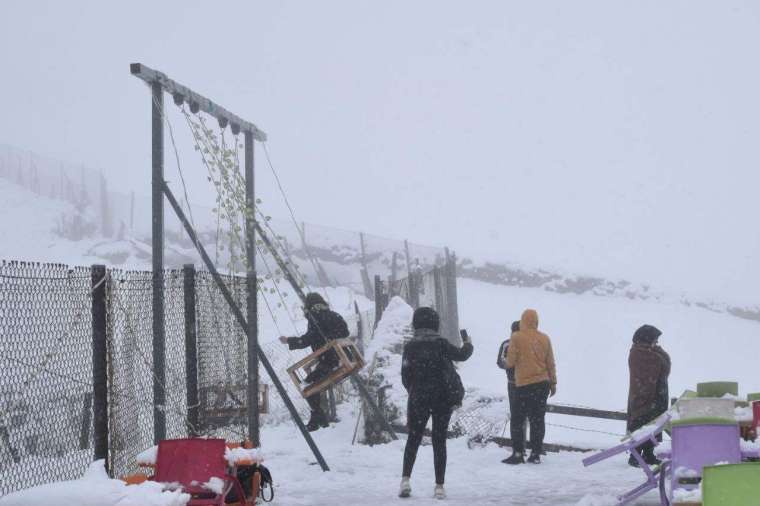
[422, 335]
[529, 320]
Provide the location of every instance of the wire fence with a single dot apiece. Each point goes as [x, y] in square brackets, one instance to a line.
[47, 329]
[45, 373]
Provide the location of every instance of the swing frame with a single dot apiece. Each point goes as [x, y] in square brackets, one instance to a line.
[350, 361]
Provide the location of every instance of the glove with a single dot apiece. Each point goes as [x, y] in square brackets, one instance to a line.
[553, 390]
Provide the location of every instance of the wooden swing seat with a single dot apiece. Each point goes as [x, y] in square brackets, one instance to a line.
[349, 362]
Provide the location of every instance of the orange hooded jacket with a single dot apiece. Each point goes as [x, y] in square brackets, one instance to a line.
[530, 353]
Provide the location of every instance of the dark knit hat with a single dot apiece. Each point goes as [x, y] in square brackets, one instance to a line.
[516, 326]
[426, 318]
[313, 299]
[646, 334]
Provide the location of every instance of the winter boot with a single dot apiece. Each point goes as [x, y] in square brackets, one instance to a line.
[317, 420]
[439, 492]
[515, 458]
[535, 458]
[406, 488]
[632, 461]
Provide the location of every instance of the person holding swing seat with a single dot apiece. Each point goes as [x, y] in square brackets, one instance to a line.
[324, 325]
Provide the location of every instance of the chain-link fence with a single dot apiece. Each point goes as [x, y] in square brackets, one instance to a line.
[47, 334]
[45, 373]
[434, 287]
[222, 358]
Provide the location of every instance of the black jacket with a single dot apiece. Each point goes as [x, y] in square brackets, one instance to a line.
[324, 325]
[425, 362]
[501, 361]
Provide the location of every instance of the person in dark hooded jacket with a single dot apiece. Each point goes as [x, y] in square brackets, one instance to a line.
[434, 388]
[516, 431]
[324, 325]
[649, 367]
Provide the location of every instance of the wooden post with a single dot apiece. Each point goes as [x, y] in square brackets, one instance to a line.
[359, 329]
[368, 292]
[379, 306]
[394, 269]
[452, 306]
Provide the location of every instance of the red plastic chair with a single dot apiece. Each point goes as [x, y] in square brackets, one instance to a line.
[193, 462]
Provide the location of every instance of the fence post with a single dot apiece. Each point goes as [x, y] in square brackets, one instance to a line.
[364, 270]
[191, 352]
[157, 242]
[99, 364]
[251, 300]
[379, 306]
[452, 305]
[359, 329]
[440, 304]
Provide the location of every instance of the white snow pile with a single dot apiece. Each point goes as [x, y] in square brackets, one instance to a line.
[598, 500]
[684, 495]
[663, 449]
[685, 472]
[750, 447]
[95, 488]
[214, 484]
[743, 414]
[235, 456]
[384, 354]
[148, 457]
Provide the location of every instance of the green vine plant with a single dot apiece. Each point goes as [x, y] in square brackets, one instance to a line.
[222, 161]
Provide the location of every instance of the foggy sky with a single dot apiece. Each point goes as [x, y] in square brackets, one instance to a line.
[611, 138]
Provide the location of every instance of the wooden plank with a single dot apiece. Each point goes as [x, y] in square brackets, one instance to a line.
[151, 76]
[586, 412]
[549, 447]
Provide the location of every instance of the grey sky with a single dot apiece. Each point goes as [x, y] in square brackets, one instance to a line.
[616, 138]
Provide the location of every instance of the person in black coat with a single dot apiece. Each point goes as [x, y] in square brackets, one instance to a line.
[434, 389]
[501, 361]
[323, 325]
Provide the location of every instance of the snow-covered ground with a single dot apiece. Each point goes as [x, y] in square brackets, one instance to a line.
[591, 336]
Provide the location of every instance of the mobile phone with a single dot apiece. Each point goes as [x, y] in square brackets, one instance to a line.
[463, 333]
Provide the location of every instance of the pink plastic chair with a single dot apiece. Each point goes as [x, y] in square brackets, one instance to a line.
[193, 462]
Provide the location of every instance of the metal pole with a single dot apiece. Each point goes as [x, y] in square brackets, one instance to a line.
[159, 395]
[191, 351]
[251, 297]
[244, 325]
[99, 364]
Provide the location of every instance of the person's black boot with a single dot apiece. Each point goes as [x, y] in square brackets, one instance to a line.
[316, 421]
[514, 459]
[632, 461]
[535, 458]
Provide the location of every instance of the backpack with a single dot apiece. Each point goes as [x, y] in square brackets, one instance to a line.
[245, 476]
[452, 383]
[501, 359]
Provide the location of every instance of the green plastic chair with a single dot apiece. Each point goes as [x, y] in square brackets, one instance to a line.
[731, 485]
[717, 388]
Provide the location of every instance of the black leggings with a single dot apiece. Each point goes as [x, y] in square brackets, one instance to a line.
[418, 412]
[531, 404]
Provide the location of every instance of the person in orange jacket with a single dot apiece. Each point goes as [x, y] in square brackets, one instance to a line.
[530, 353]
